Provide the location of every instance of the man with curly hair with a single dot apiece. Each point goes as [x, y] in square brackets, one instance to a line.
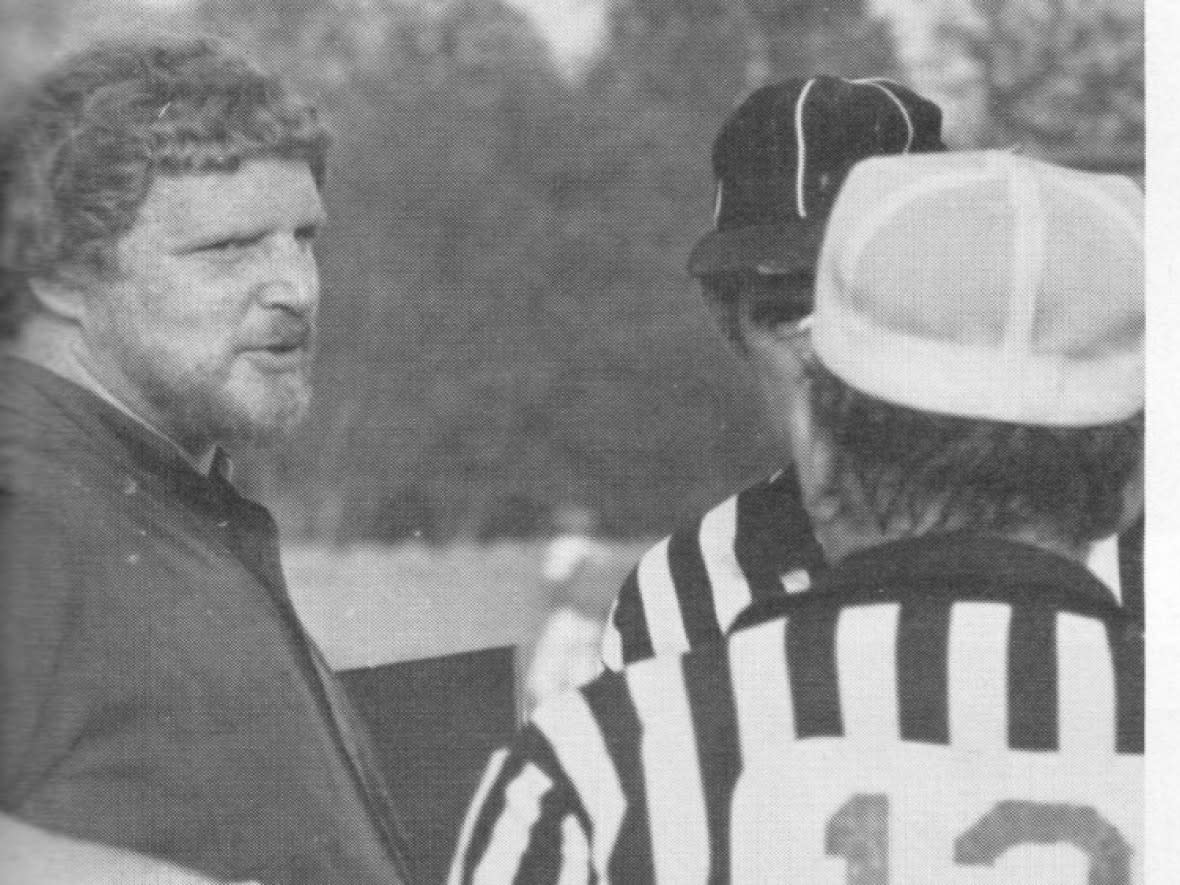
[158, 695]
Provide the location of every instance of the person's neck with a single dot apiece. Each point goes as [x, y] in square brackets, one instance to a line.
[44, 343]
[842, 537]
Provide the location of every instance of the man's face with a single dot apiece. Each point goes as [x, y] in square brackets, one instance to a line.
[208, 331]
[775, 345]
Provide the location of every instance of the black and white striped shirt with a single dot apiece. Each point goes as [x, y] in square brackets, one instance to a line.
[946, 708]
[756, 545]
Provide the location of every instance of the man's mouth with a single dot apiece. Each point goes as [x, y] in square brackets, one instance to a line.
[284, 347]
[285, 352]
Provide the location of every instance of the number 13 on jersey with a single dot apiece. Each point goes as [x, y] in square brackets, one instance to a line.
[859, 833]
[1041, 822]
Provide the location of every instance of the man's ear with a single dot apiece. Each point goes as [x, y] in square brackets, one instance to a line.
[63, 296]
[725, 318]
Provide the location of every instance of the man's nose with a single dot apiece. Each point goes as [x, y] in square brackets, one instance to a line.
[291, 275]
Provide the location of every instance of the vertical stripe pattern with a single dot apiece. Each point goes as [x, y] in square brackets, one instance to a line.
[661, 602]
[483, 824]
[866, 649]
[510, 836]
[765, 715]
[811, 664]
[1086, 694]
[690, 587]
[1126, 642]
[676, 815]
[614, 710]
[923, 669]
[491, 773]
[663, 773]
[628, 637]
[977, 675]
[718, 535]
[754, 546]
[575, 853]
[1032, 679]
[694, 592]
[762, 692]
[715, 728]
[576, 735]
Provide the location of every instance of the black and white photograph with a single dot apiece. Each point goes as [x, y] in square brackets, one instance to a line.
[585, 441]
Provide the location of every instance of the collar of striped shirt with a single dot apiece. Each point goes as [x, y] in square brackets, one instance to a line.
[962, 565]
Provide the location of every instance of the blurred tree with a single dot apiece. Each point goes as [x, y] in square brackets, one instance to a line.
[27, 32]
[710, 53]
[1061, 78]
[325, 44]
[34, 32]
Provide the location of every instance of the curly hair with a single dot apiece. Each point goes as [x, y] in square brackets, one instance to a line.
[82, 145]
[966, 473]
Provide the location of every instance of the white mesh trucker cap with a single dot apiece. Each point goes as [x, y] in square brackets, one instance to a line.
[986, 285]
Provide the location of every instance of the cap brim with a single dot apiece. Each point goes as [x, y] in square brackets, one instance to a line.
[766, 249]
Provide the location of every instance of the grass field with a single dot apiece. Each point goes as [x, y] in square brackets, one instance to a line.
[369, 604]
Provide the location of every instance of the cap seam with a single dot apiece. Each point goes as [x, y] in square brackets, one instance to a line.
[801, 149]
[1028, 257]
[905, 114]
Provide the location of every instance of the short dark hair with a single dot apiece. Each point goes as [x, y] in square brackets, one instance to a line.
[779, 298]
[83, 143]
[977, 474]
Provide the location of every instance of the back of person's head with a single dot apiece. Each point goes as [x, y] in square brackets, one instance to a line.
[779, 160]
[978, 341]
[83, 143]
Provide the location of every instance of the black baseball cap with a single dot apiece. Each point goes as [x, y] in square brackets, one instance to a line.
[782, 155]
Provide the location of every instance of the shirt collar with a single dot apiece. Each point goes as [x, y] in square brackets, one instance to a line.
[953, 565]
[204, 462]
[995, 563]
[214, 461]
[47, 396]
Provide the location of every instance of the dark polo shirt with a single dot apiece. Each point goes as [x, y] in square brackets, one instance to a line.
[157, 691]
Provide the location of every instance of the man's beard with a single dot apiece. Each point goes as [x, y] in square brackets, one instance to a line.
[231, 411]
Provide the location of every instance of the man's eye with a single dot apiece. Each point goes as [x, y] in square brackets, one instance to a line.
[232, 244]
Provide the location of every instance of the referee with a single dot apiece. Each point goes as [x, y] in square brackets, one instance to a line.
[961, 699]
[778, 161]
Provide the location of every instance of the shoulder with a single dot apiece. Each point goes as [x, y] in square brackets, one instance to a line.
[596, 726]
[762, 518]
[689, 587]
[57, 500]
[45, 458]
[719, 524]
